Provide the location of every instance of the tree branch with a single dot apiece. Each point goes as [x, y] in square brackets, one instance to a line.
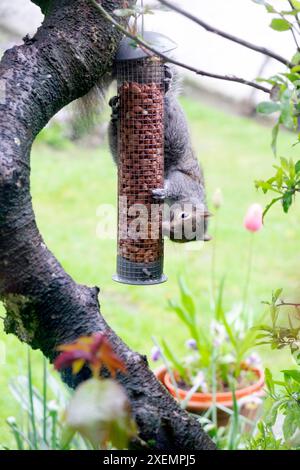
[287, 304]
[223, 34]
[146, 46]
[73, 50]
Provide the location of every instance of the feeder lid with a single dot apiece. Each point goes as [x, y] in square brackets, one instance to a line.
[129, 50]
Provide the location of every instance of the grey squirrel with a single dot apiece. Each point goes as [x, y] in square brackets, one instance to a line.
[184, 187]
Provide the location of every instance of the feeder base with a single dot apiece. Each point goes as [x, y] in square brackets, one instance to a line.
[123, 280]
[142, 274]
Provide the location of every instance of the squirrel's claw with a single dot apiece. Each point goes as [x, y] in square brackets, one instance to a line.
[114, 101]
[115, 105]
[159, 194]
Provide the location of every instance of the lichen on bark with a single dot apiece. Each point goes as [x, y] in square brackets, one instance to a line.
[20, 317]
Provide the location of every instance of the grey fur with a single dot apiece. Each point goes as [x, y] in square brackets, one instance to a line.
[184, 190]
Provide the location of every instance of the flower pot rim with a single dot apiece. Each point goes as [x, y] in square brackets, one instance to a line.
[201, 400]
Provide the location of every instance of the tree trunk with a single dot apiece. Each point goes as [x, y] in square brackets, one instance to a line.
[72, 50]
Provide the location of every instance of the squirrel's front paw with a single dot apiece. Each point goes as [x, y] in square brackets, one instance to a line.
[115, 106]
[160, 194]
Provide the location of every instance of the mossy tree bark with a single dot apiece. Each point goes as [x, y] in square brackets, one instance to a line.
[72, 50]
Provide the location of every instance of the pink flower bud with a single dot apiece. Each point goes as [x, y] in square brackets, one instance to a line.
[254, 220]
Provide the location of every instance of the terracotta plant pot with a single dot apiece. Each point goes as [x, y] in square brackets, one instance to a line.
[201, 402]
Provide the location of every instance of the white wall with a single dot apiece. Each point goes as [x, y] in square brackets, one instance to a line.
[209, 52]
[19, 17]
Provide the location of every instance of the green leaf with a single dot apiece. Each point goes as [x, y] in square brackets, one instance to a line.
[222, 317]
[268, 107]
[173, 359]
[187, 299]
[180, 312]
[124, 12]
[99, 410]
[293, 76]
[272, 413]
[263, 328]
[284, 163]
[147, 10]
[294, 374]
[269, 381]
[262, 335]
[270, 9]
[247, 342]
[276, 294]
[287, 201]
[286, 116]
[288, 12]
[279, 178]
[290, 425]
[296, 58]
[66, 437]
[296, 4]
[219, 312]
[294, 70]
[234, 423]
[266, 186]
[297, 167]
[260, 343]
[286, 94]
[292, 171]
[279, 24]
[274, 310]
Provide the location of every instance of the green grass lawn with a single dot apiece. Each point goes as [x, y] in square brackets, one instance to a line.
[68, 188]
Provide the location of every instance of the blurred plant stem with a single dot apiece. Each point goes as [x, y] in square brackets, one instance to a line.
[213, 259]
[214, 389]
[45, 399]
[248, 274]
[31, 404]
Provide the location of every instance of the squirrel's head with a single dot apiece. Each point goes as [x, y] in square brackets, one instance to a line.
[185, 222]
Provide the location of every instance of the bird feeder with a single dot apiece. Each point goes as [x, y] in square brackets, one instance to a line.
[141, 89]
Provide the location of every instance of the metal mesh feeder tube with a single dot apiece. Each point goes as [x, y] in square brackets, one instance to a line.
[141, 90]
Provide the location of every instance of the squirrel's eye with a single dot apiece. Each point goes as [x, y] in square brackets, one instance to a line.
[185, 215]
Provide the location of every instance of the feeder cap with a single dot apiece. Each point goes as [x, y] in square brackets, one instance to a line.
[128, 50]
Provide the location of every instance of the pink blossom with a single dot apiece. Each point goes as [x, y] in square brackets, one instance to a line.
[254, 218]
